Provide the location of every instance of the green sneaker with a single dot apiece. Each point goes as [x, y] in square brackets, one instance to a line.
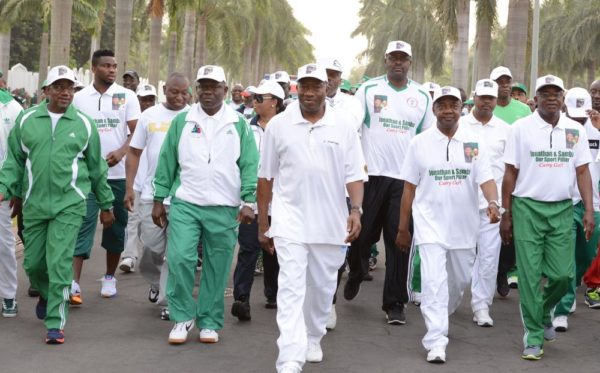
[592, 298]
[532, 353]
[9, 308]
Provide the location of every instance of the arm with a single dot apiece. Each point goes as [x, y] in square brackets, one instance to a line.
[265, 194]
[355, 191]
[490, 193]
[404, 239]
[584, 183]
[114, 157]
[247, 162]
[508, 187]
[11, 174]
[131, 167]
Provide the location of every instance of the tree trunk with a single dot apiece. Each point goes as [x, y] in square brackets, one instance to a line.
[60, 32]
[247, 78]
[154, 52]
[516, 38]
[460, 62]
[201, 42]
[171, 59]
[418, 70]
[43, 70]
[187, 55]
[97, 35]
[5, 53]
[570, 78]
[123, 21]
[483, 50]
[591, 72]
[256, 56]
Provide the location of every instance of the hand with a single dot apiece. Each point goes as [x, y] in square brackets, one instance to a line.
[159, 214]
[594, 117]
[107, 218]
[246, 215]
[506, 228]
[114, 157]
[588, 224]
[265, 242]
[403, 240]
[129, 199]
[493, 213]
[353, 226]
[16, 204]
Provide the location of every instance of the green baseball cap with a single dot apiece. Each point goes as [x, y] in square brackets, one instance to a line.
[44, 84]
[345, 86]
[469, 102]
[520, 86]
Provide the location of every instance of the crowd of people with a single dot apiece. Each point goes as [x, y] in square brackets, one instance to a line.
[463, 192]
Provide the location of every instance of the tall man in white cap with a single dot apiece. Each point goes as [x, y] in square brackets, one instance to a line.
[444, 169]
[579, 103]
[309, 156]
[547, 154]
[208, 165]
[58, 147]
[494, 131]
[335, 97]
[283, 79]
[396, 109]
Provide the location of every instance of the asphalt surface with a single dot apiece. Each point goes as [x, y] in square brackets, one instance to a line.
[125, 334]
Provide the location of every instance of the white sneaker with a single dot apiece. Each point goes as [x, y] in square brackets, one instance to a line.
[561, 323]
[75, 289]
[437, 355]
[573, 307]
[127, 265]
[290, 369]
[482, 318]
[332, 320]
[314, 354]
[109, 287]
[416, 298]
[180, 331]
[209, 336]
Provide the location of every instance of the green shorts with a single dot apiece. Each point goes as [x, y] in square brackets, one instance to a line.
[113, 238]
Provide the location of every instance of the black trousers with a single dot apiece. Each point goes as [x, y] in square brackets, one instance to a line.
[243, 276]
[381, 205]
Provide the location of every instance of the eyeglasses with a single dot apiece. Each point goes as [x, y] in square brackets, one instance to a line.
[261, 98]
[63, 88]
[548, 95]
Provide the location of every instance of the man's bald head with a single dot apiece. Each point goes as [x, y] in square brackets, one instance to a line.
[176, 91]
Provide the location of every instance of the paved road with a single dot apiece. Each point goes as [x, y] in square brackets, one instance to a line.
[126, 334]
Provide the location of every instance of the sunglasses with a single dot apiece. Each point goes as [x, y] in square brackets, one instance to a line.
[261, 98]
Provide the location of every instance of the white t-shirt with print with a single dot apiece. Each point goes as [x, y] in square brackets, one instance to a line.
[594, 143]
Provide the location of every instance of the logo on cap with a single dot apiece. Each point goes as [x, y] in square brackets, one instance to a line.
[277, 75]
[399, 45]
[549, 79]
[310, 69]
[337, 64]
[147, 88]
[208, 70]
[431, 86]
[487, 84]
[579, 102]
[445, 91]
[62, 71]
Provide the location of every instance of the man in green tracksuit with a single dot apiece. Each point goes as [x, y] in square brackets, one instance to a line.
[53, 162]
[208, 165]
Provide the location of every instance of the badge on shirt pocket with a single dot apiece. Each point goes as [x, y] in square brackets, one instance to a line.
[571, 137]
[471, 150]
[379, 102]
[118, 100]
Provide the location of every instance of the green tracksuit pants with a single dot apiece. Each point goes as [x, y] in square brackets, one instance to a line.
[217, 227]
[415, 275]
[48, 261]
[585, 252]
[542, 232]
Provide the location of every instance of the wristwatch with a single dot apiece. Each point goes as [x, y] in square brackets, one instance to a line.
[357, 209]
[251, 205]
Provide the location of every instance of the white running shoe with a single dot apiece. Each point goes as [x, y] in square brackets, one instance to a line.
[573, 307]
[109, 287]
[437, 355]
[180, 331]
[416, 298]
[209, 336]
[482, 318]
[332, 320]
[290, 369]
[127, 265]
[314, 354]
[561, 323]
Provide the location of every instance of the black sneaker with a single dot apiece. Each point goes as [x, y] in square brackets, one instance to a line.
[351, 289]
[164, 314]
[241, 310]
[396, 316]
[32, 292]
[153, 294]
[40, 308]
[271, 304]
[502, 286]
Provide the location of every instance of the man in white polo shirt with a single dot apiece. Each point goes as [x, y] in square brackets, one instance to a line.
[546, 154]
[309, 156]
[396, 109]
[445, 167]
[115, 111]
[494, 131]
[335, 97]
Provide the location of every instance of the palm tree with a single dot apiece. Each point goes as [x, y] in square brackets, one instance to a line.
[454, 15]
[123, 21]
[156, 9]
[60, 31]
[486, 23]
[516, 38]
[4, 49]
[187, 55]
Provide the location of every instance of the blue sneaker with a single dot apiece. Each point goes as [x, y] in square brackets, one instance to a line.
[55, 337]
[532, 353]
[40, 308]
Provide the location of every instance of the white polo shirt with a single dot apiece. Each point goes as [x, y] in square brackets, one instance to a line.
[447, 174]
[594, 143]
[111, 111]
[495, 134]
[311, 165]
[8, 115]
[343, 101]
[392, 117]
[149, 135]
[546, 157]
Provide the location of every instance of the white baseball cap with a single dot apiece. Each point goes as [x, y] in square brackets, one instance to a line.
[79, 84]
[446, 91]
[486, 87]
[146, 90]
[211, 72]
[60, 72]
[398, 46]
[280, 77]
[431, 86]
[577, 101]
[547, 80]
[331, 64]
[269, 87]
[500, 71]
[312, 70]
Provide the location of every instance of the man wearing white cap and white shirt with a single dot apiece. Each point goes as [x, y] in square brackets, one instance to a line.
[283, 78]
[546, 155]
[396, 109]
[579, 103]
[58, 147]
[494, 132]
[335, 97]
[309, 156]
[444, 168]
[207, 165]
[146, 95]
